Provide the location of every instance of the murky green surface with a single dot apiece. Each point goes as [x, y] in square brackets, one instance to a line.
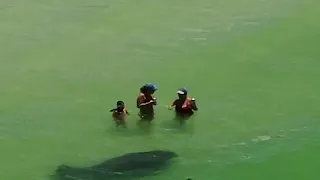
[253, 67]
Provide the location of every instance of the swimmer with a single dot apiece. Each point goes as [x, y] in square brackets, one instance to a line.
[119, 113]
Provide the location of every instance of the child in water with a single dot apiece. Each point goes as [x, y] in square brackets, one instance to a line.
[119, 113]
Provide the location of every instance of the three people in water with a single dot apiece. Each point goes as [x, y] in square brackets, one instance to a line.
[184, 105]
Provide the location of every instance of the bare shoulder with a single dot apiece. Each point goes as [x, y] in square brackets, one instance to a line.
[140, 96]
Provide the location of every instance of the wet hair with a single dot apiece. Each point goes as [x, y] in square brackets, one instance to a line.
[119, 103]
[118, 108]
[143, 89]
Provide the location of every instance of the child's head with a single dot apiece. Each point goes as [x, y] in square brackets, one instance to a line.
[120, 104]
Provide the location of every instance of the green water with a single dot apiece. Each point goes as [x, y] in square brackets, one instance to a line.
[253, 67]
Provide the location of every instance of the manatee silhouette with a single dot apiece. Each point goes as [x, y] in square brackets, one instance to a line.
[128, 166]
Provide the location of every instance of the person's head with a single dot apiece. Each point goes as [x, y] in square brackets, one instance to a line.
[182, 93]
[120, 104]
[149, 89]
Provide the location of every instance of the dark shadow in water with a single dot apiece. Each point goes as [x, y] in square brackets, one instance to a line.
[127, 167]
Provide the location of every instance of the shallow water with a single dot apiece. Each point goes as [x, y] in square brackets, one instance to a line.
[252, 66]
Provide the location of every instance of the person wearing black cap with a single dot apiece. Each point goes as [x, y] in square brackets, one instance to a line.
[146, 101]
[184, 105]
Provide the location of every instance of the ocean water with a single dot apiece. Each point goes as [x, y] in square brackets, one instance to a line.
[252, 65]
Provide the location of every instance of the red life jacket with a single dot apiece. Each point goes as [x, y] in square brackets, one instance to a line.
[187, 104]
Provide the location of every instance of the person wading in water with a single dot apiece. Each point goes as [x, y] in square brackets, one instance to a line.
[119, 114]
[146, 102]
[184, 105]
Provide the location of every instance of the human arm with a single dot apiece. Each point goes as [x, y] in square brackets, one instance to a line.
[126, 111]
[171, 106]
[194, 105]
[140, 102]
[154, 100]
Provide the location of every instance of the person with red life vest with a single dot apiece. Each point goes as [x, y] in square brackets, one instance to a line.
[184, 105]
[146, 102]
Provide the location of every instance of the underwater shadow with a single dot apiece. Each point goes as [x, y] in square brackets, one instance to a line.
[129, 166]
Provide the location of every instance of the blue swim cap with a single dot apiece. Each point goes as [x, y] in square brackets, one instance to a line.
[151, 86]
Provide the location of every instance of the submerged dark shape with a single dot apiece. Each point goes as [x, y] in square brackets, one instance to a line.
[128, 166]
